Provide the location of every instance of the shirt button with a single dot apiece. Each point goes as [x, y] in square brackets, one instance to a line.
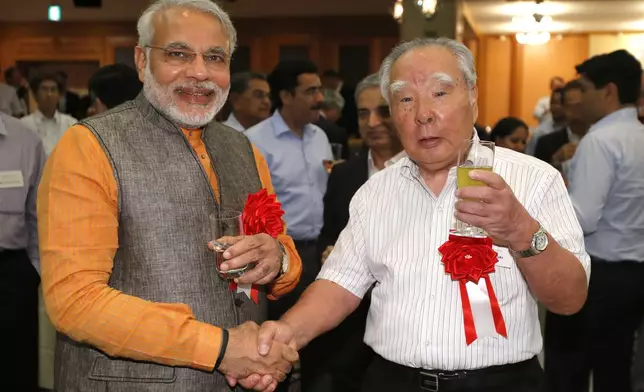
[427, 343]
[203, 156]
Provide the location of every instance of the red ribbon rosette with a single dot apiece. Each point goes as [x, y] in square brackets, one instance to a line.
[470, 259]
[262, 214]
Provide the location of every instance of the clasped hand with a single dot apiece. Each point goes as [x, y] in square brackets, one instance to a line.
[495, 209]
[254, 368]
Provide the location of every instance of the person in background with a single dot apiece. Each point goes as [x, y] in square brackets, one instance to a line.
[70, 102]
[559, 147]
[542, 109]
[124, 207]
[332, 79]
[344, 362]
[510, 132]
[21, 161]
[638, 363]
[556, 122]
[47, 122]
[606, 185]
[111, 86]
[250, 100]
[331, 112]
[295, 150]
[8, 102]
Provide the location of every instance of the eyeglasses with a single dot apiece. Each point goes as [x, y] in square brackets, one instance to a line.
[214, 60]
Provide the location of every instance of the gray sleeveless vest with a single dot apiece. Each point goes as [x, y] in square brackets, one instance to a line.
[165, 200]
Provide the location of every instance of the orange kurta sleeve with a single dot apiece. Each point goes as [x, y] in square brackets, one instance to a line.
[287, 282]
[78, 230]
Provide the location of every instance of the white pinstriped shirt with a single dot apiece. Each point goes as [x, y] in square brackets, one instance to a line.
[395, 228]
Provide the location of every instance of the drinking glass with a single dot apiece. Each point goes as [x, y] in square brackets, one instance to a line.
[226, 223]
[336, 150]
[473, 155]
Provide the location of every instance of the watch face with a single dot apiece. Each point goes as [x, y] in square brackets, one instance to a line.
[541, 241]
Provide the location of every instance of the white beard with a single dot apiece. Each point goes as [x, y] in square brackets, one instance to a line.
[161, 97]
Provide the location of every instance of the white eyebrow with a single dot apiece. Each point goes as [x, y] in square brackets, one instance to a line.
[397, 85]
[443, 78]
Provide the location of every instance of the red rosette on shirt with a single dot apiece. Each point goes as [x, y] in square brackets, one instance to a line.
[470, 259]
[262, 214]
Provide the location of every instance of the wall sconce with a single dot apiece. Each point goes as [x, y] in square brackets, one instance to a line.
[427, 7]
[398, 11]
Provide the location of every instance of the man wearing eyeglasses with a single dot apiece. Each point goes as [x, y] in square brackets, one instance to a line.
[344, 356]
[124, 209]
[249, 99]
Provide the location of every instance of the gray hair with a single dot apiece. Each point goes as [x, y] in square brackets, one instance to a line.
[239, 81]
[332, 98]
[145, 27]
[370, 81]
[460, 51]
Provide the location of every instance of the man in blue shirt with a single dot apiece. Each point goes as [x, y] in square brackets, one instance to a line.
[295, 150]
[606, 183]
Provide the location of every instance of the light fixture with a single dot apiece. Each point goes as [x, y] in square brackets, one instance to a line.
[398, 11]
[533, 28]
[427, 7]
[533, 37]
[54, 13]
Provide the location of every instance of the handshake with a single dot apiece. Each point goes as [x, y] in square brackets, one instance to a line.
[257, 358]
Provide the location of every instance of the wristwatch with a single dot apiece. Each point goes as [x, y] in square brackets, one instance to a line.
[539, 244]
[284, 268]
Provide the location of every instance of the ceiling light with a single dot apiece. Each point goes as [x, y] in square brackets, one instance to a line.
[398, 11]
[427, 7]
[54, 13]
[533, 38]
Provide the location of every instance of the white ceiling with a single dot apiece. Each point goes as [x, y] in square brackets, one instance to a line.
[494, 17]
[33, 10]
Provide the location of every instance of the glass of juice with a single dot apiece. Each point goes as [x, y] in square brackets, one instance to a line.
[473, 155]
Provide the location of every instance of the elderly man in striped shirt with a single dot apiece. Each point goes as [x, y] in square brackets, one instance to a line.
[400, 218]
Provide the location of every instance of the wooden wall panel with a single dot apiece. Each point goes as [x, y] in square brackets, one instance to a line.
[495, 79]
[540, 63]
[513, 77]
[97, 41]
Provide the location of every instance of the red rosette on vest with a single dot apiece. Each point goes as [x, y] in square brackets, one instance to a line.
[262, 214]
[468, 259]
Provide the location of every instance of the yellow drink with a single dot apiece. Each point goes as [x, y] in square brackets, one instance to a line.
[463, 176]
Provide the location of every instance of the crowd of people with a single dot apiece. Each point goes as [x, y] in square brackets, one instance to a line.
[111, 210]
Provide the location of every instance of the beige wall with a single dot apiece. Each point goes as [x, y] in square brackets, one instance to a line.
[605, 43]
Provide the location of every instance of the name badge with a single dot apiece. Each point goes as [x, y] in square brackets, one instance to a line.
[504, 257]
[11, 179]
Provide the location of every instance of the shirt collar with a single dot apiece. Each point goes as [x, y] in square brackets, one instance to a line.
[396, 158]
[629, 113]
[572, 138]
[41, 117]
[234, 123]
[280, 127]
[3, 128]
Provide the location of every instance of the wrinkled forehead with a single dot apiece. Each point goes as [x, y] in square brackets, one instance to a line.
[422, 66]
[192, 28]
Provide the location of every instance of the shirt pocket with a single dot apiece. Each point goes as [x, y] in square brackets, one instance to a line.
[12, 201]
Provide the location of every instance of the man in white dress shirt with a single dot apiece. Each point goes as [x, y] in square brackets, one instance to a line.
[402, 215]
[48, 123]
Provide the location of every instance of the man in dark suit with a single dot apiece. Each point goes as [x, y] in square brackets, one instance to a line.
[70, 102]
[559, 146]
[329, 115]
[344, 363]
